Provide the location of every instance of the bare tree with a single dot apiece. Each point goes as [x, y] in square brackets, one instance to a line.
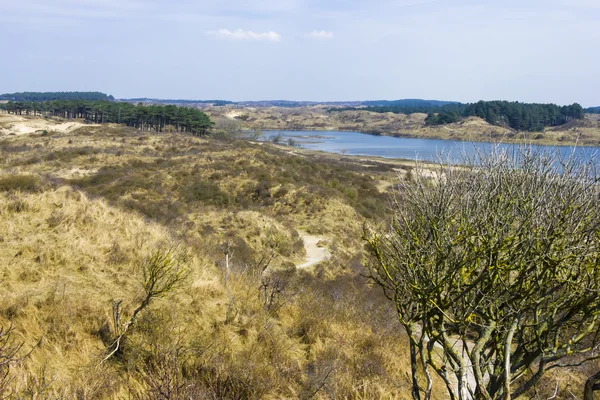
[494, 269]
[8, 357]
[162, 272]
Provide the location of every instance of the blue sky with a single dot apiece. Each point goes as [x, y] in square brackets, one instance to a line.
[465, 50]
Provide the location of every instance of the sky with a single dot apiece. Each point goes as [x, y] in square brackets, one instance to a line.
[322, 50]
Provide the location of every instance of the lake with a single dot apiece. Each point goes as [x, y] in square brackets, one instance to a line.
[354, 143]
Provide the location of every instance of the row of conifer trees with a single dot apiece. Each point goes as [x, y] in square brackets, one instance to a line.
[144, 117]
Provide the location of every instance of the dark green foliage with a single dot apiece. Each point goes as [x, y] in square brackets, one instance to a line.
[519, 116]
[442, 118]
[178, 101]
[205, 192]
[70, 154]
[408, 107]
[48, 96]
[154, 117]
[262, 191]
[593, 110]
[22, 183]
[522, 116]
[114, 182]
[159, 209]
[408, 103]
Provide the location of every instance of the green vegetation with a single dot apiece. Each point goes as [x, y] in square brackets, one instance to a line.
[406, 106]
[23, 183]
[493, 270]
[593, 110]
[216, 103]
[266, 181]
[154, 117]
[518, 116]
[162, 272]
[442, 118]
[523, 116]
[50, 96]
[409, 103]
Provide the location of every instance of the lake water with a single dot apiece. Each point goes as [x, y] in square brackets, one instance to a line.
[354, 143]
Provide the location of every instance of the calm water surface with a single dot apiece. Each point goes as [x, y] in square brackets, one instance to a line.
[354, 143]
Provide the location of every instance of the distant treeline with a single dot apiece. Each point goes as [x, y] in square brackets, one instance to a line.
[408, 103]
[593, 110]
[408, 106]
[178, 101]
[519, 116]
[278, 103]
[50, 96]
[152, 117]
[523, 116]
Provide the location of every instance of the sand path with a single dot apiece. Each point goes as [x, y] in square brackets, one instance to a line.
[314, 253]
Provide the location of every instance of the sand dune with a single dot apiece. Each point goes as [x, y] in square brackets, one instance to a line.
[21, 125]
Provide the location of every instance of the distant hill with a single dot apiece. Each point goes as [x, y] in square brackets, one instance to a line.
[279, 103]
[412, 103]
[593, 110]
[409, 103]
[176, 101]
[51, 96]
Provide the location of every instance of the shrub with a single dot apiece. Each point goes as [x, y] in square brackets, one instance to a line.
[23, 183]
[17, 205]
[262, 191]
[500, 253]
[206, 192]
[161, 210]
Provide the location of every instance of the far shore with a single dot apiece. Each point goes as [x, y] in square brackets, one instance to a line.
[412, 135]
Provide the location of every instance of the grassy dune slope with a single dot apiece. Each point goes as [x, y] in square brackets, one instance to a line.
[79, 214]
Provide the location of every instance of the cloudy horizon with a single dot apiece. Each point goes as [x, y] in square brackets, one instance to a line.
[331, 50]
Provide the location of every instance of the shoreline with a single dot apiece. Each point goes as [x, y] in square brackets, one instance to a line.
[526, 142]
[302, 152]
[580, 136]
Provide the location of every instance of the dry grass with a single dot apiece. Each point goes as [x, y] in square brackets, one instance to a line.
[67, 258]
[79, 213]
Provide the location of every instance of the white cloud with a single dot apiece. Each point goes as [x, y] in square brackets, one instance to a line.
[241, 34]
[320, 35]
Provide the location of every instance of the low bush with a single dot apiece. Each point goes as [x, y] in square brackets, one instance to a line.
[21, 183]
[205, 192]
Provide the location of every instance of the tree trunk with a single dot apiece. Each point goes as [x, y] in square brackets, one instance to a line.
[592, 384]
[416, 395]
[507, 349]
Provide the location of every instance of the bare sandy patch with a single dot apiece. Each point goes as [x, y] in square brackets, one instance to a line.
[20, 125]
[233, 115]
[314, 252]
[76, 173]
